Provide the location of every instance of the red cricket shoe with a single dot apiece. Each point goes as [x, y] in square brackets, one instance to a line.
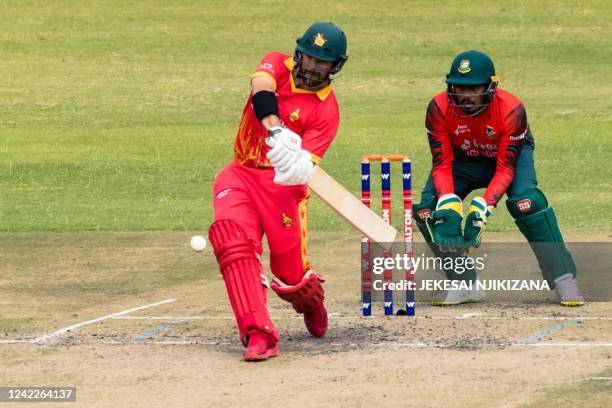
[316, 321]
[261, 346]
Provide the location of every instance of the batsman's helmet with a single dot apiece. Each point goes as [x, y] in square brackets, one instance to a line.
[324, 41]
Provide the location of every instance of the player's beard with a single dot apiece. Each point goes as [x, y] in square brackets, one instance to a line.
[473, 105]
[309, 79]
[467, 107]
[470, 106]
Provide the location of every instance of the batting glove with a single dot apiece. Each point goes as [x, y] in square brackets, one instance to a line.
[285, 147]
[299, 173]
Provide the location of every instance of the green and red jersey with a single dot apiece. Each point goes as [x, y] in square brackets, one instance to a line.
[496, 134]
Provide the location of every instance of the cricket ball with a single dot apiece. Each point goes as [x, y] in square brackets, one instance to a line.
[198, 243]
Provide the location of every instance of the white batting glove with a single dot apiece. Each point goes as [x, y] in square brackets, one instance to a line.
[299, 173]
[285, 147]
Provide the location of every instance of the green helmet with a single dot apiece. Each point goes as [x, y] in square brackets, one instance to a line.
[471, 68]
[324, 41]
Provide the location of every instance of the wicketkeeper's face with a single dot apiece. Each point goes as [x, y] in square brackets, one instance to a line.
[470, 98]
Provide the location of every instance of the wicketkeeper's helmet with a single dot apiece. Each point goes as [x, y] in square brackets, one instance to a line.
[473, 68]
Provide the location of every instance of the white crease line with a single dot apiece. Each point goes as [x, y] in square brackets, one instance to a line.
[377, 345]
[563, 318]
[598, 379]
[44, 339]
[331, 316]
[161, 342]
[467, 316]
[166, 317]
[564, 344]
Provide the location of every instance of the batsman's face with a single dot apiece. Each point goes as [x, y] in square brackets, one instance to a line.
[470, 98]
[314, 72]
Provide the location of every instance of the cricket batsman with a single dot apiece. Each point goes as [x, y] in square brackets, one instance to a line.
[290, 119]
[479, 138]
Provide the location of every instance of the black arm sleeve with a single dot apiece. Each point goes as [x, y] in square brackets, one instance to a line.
[264, 104]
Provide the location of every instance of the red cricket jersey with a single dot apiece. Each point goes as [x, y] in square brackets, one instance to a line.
[496, 134]
[312, 115]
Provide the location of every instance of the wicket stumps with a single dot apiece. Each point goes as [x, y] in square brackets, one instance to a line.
[386, 210]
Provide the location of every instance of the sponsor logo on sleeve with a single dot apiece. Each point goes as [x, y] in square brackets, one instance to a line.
[518, 137]
[221, 194]
[266, 66]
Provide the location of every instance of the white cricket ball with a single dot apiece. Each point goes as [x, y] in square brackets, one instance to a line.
[198, 243]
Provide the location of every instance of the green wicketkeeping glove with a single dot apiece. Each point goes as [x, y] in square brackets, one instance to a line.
[475, 222]
[445, 224]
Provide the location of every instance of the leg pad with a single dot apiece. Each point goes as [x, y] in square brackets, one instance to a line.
[244, 277]
[538, 223]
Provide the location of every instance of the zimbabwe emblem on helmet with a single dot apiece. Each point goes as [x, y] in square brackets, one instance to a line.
[464, 66]
[320, 40]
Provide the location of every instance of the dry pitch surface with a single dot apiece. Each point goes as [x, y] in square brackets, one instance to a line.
[181, 349]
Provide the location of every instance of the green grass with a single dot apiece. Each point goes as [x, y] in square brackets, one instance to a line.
[116, 116]
[592, 391]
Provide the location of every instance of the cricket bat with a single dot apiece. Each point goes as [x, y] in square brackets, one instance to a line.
[351, 208]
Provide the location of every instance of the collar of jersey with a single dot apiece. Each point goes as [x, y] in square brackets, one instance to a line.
[322, 94]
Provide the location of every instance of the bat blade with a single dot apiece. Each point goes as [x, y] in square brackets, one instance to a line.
[351, 208]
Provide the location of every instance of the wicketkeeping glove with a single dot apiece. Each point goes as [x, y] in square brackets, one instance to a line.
[445, 224]
[475, 222]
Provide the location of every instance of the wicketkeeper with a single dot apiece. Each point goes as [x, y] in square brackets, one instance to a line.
[479, 138]
[290, 119]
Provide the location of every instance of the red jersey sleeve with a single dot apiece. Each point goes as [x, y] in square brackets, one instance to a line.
[511, 141]
[271, 66]
[441, 150]
[321, 129]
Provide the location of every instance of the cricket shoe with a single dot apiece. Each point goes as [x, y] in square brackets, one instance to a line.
[316, 321]
[568, 292]
[458, 296]
[261, 346]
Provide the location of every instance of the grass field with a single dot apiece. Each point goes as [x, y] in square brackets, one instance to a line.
[115, 117]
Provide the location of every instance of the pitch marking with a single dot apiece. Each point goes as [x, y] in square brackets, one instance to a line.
[534, 338]
[45, 339]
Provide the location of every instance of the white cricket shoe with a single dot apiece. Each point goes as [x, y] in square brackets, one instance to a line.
[568, 293]
[456, 297]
